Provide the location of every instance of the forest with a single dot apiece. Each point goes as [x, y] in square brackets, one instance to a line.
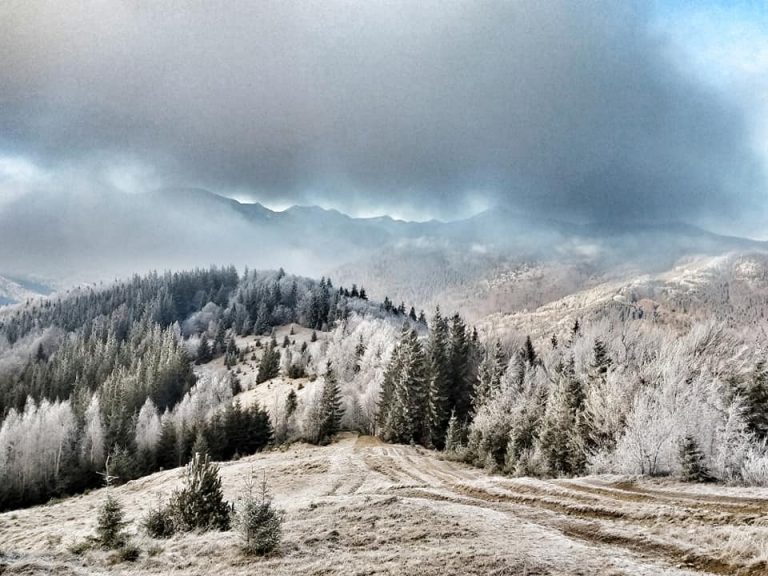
[110, 371]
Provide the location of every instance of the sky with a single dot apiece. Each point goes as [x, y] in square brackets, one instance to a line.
[591, 111]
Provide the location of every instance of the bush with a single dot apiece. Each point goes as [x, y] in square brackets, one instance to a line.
[110, 524]
[200, 503]
[158, 523]
[258, 522]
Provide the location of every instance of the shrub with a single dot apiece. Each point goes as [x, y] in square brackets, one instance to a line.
[200, 503]
[110, 524]
[158, 523]
[258, 522]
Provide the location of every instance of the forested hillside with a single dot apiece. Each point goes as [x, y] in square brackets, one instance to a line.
[148, 372]
[109, 371]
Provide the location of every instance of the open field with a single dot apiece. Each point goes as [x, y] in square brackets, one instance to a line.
[363, 507]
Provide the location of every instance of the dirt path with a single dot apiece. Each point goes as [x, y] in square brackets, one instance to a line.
[363, 507]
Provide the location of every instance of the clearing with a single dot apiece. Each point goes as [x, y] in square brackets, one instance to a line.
[360, 507]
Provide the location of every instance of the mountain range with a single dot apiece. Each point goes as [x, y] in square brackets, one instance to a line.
[498, 261]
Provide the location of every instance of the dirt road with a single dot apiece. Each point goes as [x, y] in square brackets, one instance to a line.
[363, 507]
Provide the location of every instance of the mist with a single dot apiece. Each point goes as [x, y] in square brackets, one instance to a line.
[429, 109]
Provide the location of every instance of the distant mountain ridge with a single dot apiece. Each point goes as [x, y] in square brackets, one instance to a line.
[76, 237]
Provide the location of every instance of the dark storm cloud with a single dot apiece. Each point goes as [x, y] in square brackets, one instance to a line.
[568, 108]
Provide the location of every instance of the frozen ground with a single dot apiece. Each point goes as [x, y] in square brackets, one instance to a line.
[360, 507]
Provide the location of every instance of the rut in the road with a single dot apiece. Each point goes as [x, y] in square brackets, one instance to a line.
[593, 514]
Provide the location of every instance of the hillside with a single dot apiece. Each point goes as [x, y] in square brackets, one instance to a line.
[362, 507]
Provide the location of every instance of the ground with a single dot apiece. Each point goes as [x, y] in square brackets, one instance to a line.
[361, 507]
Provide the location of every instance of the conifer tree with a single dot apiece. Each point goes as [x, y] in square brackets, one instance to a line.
[404, 415]
[269, 366]
[562, 442]
[291, 403]
[453, 434]
[200, 503]
[692, 462]
[439, 378]
[167, 446]
[204, 353]
[331, 410]
[755, 399]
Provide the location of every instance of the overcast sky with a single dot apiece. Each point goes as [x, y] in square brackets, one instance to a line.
[597, 110]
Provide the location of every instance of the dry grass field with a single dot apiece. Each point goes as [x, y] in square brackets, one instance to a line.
[360, 507]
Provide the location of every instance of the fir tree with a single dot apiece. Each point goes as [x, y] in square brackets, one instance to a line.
[269, 367]
[110, 524]
[204, 352]
[257, 521]
[199, 504]
[291, 403]
[453, 434]
[692, 462]
[330, 406]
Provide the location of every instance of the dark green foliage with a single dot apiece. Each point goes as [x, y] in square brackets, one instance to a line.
[257, 522]
[204, 350]
[692, 461]
[269, 367]
[167, 447]
[110, 527]
[201, 445]
[291, 402]
[562, 435]
[403, 412]
[754, 395]
[199, 504]
[331, 410]
[314, 336]
[529, 352]
[158, 523]
[453, 434]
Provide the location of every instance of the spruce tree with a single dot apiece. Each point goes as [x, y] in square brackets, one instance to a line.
[269, 366]
[692, 461]
[439, 378]
[291, 402]
[199, 504]
[453, 434]
[110, 526]
[407, 389]
[204, 352]
[562, 441]
[331, 410]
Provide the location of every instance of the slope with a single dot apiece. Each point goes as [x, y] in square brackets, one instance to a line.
[362, 507]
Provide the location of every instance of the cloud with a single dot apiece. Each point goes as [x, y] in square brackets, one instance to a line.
[428, 108]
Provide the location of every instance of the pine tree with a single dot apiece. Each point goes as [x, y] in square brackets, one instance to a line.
[461, 385]
[331, 410]
[201, 445]
[167, 446]
[199, 504]
[110, 526]
[204, 353]
[269, 367]
[453, 434]
[257, 521]
[692, 462]
[490, 372]
[291, 403]
[529, 352]
[439, 378]
[406, 384]
[562, 441]
[755, 398]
